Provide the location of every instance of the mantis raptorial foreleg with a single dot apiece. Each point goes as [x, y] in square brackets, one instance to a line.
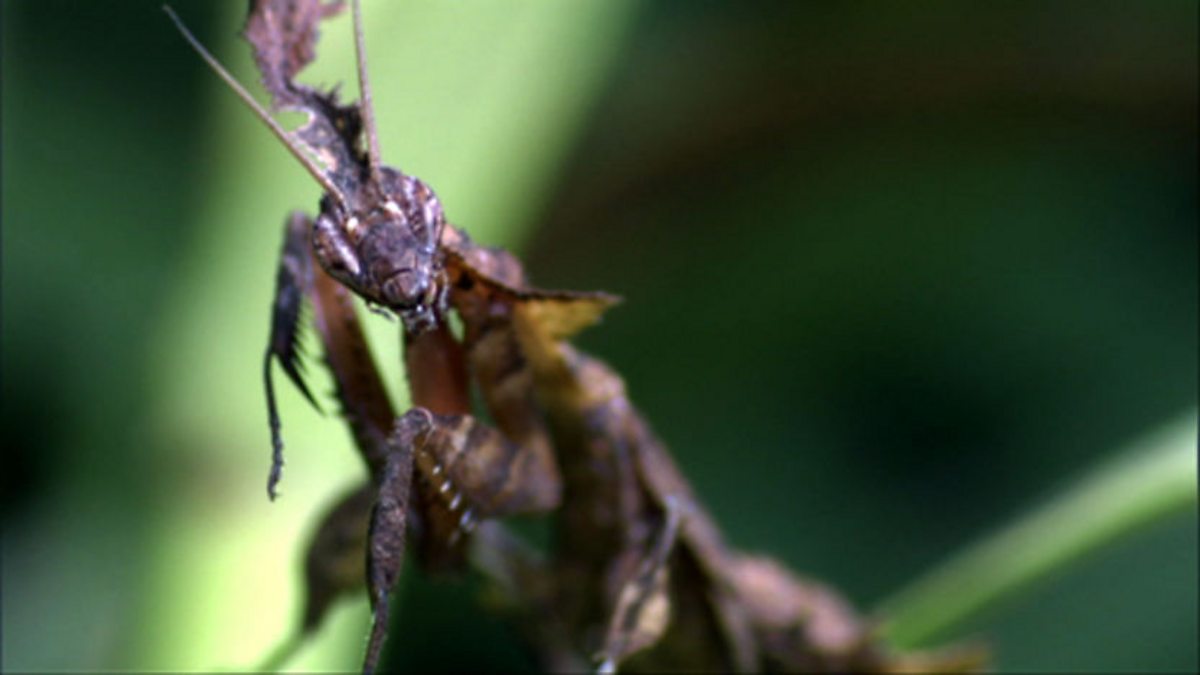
[464, 470]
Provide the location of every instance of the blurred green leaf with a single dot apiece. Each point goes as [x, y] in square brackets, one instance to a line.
[1152, 479]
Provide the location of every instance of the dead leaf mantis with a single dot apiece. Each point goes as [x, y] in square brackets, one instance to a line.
[639, 574]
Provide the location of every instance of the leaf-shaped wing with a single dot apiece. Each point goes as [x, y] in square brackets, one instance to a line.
[559, 315]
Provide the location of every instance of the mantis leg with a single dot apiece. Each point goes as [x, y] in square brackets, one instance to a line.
[643, 608]
[292, 281]
[475, 473]
[335, 557]
[389, 522]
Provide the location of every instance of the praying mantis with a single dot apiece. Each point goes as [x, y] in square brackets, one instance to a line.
[638, 575]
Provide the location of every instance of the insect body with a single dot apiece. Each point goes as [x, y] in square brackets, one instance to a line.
[639, 574]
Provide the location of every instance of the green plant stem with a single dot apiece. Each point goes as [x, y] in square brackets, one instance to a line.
[1152, 479]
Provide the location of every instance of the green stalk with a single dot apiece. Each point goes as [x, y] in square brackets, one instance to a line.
[1151, 479]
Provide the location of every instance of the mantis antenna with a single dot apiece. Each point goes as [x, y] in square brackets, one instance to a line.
[293, 147]
[364, 85]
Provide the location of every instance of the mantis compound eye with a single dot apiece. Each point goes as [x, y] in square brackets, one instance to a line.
[334, 252]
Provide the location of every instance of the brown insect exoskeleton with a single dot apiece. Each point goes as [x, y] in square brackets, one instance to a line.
[639, 575]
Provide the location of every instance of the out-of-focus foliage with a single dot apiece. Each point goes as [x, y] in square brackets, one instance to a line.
[1151, 480]
[894, 274]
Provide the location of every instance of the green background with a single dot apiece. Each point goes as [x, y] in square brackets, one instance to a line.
[894, 275]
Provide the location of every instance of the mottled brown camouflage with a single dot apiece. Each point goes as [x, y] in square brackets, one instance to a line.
[638, 576]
